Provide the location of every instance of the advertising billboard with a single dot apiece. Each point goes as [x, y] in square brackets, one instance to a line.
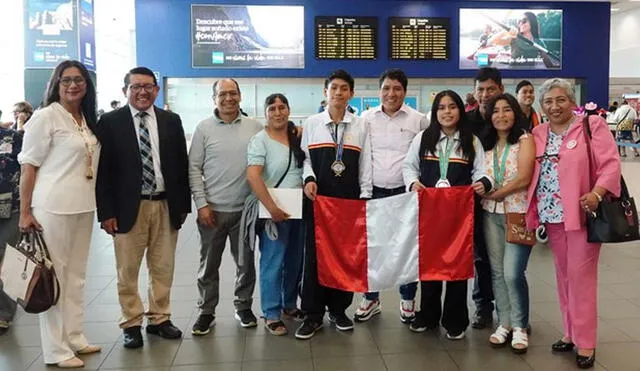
[522, 39]
[247, 36]
[87, 34]
[50, 32]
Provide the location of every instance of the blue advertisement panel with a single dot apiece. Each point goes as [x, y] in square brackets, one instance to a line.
[247, 36]
[50, 32]
[370, 102]
[87, 34]
[411, 102]
[356, 105]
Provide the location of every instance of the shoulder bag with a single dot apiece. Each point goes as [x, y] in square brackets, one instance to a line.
[260, 223]
[615, 219]
[27, 274]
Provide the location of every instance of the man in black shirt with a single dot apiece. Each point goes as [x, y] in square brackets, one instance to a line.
[487, 85]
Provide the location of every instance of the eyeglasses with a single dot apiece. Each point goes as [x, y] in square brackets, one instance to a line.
[66, 81]
[552, 157]
[230, 94]
[147, 87]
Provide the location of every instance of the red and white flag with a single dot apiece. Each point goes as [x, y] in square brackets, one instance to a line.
[373, 245]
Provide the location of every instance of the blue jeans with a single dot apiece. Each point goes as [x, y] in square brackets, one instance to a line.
[408, 290]
[280, 268]
[508, 266]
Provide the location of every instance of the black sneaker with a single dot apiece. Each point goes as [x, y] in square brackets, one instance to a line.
[419, 324]
[482, 321]
[203, 324]
[4, 327]
[343, 323]
[308, 329]
[246, 318]
[295, 314]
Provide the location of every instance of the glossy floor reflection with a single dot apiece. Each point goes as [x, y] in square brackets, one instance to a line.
[383, 343]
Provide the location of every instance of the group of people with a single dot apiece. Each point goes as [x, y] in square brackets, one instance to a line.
[133, 167]
[623, 123]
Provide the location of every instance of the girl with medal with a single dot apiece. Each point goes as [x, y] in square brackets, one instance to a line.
[443, 155]
[509, 160]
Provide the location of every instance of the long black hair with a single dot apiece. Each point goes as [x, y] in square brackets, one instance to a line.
[292, 132]
[88, 104]
[519, 127]
[432, 133]
[533, 22]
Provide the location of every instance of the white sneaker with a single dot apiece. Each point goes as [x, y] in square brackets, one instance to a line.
[459, 336]
[367, 309]
[407, 311]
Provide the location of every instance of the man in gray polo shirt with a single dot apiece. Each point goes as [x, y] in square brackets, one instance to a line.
[217, 168]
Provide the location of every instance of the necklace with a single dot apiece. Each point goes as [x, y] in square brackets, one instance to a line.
[88, 146]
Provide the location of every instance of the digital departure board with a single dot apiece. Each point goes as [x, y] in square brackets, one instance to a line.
[419, 38]
[346, 37]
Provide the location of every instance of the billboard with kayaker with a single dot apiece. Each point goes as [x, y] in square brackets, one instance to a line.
[522, 39]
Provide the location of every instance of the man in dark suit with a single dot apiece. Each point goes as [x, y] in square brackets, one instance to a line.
[143, 198]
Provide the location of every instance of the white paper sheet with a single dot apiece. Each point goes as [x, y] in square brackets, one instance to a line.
[288, 199]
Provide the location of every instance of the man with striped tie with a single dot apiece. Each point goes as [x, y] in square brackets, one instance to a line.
[143, 198]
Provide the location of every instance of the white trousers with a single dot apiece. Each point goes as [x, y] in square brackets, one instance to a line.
[68, 238]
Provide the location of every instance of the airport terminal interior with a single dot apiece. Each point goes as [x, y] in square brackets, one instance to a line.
[593, 44]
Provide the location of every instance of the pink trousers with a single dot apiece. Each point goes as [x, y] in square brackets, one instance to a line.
[576, 263]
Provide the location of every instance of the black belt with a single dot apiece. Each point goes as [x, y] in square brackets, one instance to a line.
[154, 197]
[389, 190]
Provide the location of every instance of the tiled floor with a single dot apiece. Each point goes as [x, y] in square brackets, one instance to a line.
[382, 344]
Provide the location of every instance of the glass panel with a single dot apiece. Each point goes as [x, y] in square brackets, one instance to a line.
[191, 97]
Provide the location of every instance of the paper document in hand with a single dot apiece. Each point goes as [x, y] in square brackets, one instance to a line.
[288, 199]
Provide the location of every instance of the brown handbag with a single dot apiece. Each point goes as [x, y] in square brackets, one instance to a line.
[517, 230]
[28, 275]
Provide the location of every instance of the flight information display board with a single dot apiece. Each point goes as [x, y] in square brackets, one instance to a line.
[346, 37]
[419, 38]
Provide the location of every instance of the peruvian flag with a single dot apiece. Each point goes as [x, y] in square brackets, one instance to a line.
[374, 245]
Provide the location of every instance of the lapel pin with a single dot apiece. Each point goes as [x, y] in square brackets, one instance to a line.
[572, 144]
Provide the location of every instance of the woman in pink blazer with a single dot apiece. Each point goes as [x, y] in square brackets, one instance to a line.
[558, 198]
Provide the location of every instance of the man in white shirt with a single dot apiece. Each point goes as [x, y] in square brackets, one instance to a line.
[393, 127]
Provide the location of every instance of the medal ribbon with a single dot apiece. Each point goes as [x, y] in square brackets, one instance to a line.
[339, 144]
[443, 158]
[499, 168]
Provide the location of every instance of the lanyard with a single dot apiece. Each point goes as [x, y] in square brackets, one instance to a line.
[443, 158]
[340, 143]
[499, 168]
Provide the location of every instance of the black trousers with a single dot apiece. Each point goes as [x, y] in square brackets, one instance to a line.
[315, 297]
[454, 314]
[482, 286]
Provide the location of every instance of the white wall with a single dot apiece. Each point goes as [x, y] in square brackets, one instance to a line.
[625, 44]
[115, 47]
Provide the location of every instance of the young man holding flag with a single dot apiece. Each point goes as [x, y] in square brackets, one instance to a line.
[337, 164]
